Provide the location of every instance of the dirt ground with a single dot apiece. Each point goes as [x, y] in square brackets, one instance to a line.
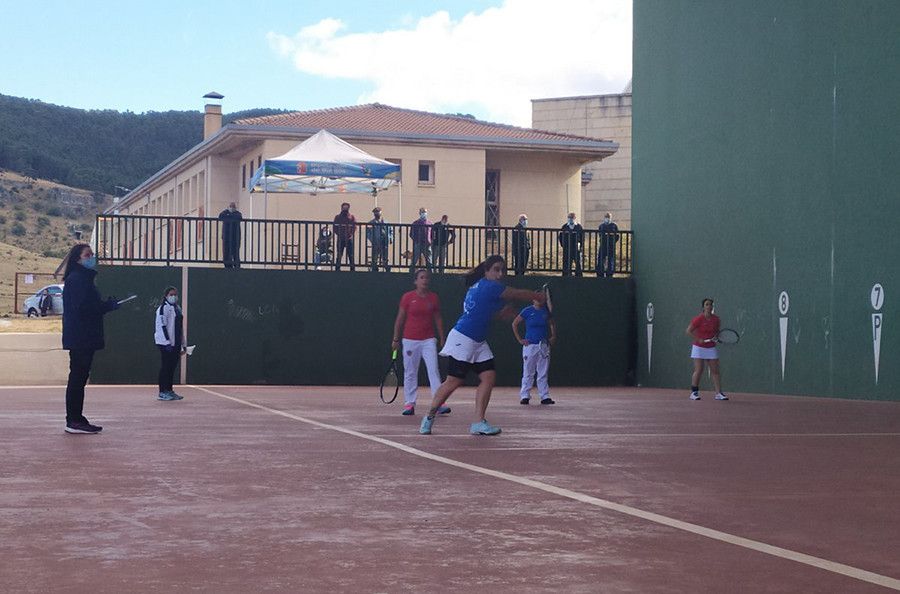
[13, 260]
[23, 324]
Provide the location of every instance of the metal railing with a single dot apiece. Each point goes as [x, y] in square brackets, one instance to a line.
[321, 244]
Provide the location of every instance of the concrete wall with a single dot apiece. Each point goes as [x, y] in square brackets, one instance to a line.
[545, 187]
[598, 116]
[766, 138]
[32, 359]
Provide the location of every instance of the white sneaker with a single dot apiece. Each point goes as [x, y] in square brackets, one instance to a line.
[695, 395]
[721, 396]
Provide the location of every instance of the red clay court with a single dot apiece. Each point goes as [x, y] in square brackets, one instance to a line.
[304, 489]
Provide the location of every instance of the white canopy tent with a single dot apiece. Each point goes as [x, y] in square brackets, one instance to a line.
[325, 163]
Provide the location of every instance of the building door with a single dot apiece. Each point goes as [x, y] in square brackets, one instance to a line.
[491, 199]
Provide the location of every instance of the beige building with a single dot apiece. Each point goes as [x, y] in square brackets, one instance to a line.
[476, 172]
[596, 116]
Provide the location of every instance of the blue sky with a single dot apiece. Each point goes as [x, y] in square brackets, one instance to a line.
[486, 57]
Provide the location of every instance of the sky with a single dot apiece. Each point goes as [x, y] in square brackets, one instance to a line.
[488, 58]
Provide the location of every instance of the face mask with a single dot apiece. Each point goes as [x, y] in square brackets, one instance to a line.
[523, 222]
[423, 216]
[571, 222]
[606, 219]
[172, 299]
[89, 263]
[231, 209]
[378, 216]
[345, 210]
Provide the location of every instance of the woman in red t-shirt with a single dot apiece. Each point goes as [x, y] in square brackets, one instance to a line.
[703, 329]
[419, 313]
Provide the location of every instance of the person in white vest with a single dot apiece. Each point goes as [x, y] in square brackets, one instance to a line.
[169, 338]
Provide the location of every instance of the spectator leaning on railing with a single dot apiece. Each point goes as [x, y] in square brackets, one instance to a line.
[521, 245]
[420, 232]
[441, 237]
[344, 231]
[571, 238]
[380, 235]
[606, 254]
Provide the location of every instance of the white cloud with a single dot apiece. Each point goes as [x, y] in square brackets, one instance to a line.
[493, 62]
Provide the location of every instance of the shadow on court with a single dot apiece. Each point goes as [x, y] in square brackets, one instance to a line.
[314, 489]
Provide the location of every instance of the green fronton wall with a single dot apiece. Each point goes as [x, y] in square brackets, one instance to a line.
[766, 160]
[328, 328]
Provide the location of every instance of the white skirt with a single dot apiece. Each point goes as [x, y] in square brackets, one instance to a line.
[698, 352]
[462, 348]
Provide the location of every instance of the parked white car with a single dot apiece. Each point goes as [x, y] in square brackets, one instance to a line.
[32, 305]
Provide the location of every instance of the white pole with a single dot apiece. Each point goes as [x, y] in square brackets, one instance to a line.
[400, 208]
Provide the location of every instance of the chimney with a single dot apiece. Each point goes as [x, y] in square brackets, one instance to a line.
[212, 114]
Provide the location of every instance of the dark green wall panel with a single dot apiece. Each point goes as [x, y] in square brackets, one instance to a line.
[326, 328]
[766, 141]
[130, 356]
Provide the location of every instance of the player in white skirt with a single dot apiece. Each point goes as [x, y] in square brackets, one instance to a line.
[540, 335]
[703, 329]
[466, 344]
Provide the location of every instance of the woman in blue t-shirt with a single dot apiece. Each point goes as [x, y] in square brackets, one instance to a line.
[466, 344]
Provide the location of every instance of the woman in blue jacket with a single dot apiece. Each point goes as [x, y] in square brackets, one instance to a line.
[82, 336]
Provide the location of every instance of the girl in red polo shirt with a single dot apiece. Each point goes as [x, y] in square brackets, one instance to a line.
[419, 313]
[703, 329]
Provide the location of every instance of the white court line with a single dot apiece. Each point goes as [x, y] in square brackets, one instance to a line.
[832, 566]
[692, 435]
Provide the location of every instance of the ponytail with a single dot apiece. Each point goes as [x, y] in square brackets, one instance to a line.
[477, 273]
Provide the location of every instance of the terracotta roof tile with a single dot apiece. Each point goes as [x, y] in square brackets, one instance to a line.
[375, 117]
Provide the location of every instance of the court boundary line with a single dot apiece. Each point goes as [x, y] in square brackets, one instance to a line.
[747, 543]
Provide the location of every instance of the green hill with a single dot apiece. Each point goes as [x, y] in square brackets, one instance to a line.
[45, 217]
[95, 149]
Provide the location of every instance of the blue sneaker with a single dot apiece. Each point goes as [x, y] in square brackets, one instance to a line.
[425, 427]
[443, 410]
[408, 410]
[175, 396]
[165, 396]
[483, 428]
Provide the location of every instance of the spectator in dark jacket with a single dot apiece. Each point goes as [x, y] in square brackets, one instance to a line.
[441, 237]
[380, 236]
[344, 231]
[82, 334]
[521, 245]
[606, 254]
[231, 219]
[46, 303]
[571, 239]
[420, 232]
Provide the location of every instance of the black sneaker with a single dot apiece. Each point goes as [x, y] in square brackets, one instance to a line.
[548, 401]
[524, 401]
[98, 428]
[81, 427]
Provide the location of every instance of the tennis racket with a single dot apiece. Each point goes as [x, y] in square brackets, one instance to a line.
[390, 384]
[548, 298]
[726, 336]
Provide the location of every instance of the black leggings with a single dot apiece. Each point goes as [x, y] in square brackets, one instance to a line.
[79, 369]
[167, 367]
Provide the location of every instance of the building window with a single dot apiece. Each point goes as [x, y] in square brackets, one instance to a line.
[259, 161]
[397, 162]
[243, 176]
[426, 173]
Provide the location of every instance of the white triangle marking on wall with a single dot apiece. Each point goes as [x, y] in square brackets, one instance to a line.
[784, 335]
[876, 340]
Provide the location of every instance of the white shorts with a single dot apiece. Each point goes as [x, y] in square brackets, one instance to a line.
[698, 352]
[462, 348]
